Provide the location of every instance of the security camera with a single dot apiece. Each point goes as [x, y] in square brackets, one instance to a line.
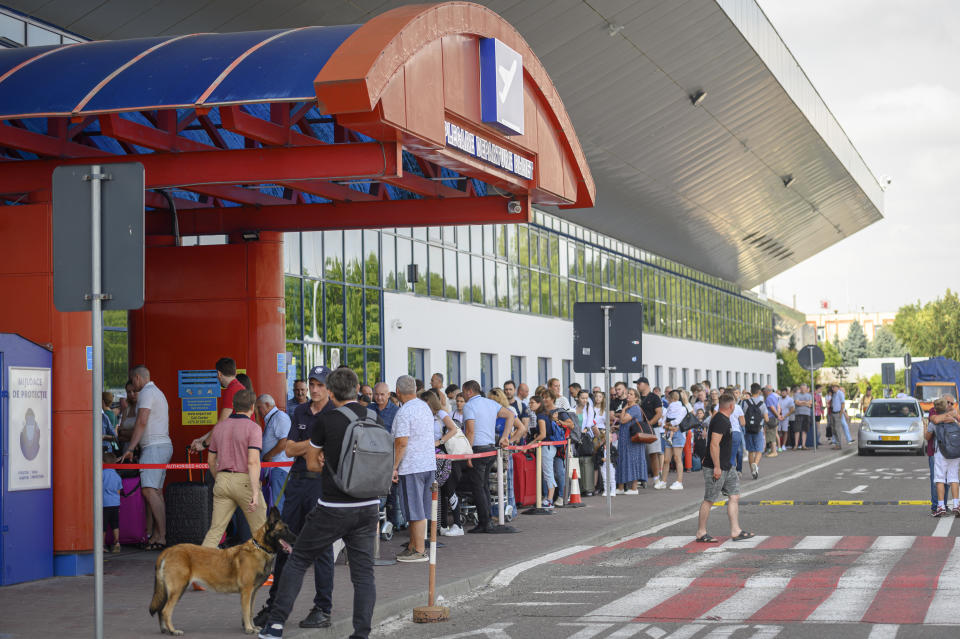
[397, 325]
[514, 207]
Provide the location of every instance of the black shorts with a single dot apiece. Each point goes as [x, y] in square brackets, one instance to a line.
[799, 424]
[111, 517]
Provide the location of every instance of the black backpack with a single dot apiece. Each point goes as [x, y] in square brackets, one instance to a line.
[948, 440]
[699, 443]
[752, 416]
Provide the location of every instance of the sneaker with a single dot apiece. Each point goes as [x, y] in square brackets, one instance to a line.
[773, 454]
[272, 631]
[631, 492]
[454, 531]
[547, 503]
[317, 618]
[558, 502]
[116, 548]
[386, 528]
[956, 511]
[676, 486]
[941, 511]
[509, 513]
[754, 470]
[412, 556]
[661, 485]
[260, 619]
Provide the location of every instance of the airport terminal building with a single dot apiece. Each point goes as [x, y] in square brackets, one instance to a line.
[669, 153]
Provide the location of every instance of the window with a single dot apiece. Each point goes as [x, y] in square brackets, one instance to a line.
[686, 378]
[696, 376]
[657, 375]
[738, 378]
[454, 367]
[719, 379]
[753, 378]
[543, 370]
[567, 370]
[643, 370]
[487, 370]
[516, 368]
[729, 379]
[416, 363]
[768, 379]
[12, 29]
[673, 377]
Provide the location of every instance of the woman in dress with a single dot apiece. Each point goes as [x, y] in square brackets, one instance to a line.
[447, 477]
[631, 457]
[604, 467]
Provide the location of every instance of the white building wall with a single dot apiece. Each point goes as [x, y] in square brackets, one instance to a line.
[439, 326]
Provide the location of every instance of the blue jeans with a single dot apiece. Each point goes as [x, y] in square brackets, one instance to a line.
[736, 450]
[357, 527]
[300, 500]
[560, 472]
[813, 431]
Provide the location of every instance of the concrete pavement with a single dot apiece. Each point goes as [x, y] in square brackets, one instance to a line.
[465, 564]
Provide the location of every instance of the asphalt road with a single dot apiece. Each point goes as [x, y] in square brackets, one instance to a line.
[865, 570]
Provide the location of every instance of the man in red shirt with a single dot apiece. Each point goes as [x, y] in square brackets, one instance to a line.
[234, 460]
[227, 374]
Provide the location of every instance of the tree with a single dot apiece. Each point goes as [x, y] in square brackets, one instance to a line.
[792, 344]
[855, 346]
[932, 329]
[789, 371]
[886, 344]
[831, 355]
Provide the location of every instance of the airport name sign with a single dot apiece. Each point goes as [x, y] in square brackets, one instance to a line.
[479, 147]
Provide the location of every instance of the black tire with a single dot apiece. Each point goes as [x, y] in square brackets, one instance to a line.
[189, 507]
[863, 452]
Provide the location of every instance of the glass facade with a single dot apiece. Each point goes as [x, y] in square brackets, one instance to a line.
[335, 281]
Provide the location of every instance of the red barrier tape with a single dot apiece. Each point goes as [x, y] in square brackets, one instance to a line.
[204, 466]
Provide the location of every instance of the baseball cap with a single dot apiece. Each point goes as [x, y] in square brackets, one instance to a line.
[642, 380]
[319, 373]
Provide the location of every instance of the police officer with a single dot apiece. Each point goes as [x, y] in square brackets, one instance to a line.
[300, 497]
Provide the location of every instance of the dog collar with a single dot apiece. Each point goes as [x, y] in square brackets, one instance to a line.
[261, 548]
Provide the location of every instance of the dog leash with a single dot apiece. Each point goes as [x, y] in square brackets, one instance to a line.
[282, 490]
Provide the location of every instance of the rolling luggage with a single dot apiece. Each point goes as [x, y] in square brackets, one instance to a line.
[133, 513]
[189, 509]
[525, 479]
[587, 475]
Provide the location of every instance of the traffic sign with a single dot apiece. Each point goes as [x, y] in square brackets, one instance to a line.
[810, 357]
[121, 236]
[625, 332]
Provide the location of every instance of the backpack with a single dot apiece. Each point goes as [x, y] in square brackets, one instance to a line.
[365, 470]
[753, 417]
[948, 440]
[555, 431]
[689, 421]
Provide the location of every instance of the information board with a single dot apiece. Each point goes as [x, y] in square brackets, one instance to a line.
[198, 391]
[29, 428]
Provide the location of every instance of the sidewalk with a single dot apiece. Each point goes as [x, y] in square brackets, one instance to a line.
[63, 605]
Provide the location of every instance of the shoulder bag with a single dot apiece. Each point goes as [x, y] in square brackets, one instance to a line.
[458, 444]
[641, 433]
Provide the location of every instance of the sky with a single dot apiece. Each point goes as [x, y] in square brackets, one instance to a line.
[888, 71]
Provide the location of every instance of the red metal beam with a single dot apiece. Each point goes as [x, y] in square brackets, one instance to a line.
[242, 123]
[338, 215]
[231, 166]
[17, 138]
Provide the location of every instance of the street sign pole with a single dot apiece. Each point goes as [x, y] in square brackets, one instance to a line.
[96, 323]
[813, 410]
[610, 490]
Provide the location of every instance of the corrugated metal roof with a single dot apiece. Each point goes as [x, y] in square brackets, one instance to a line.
[702, 185]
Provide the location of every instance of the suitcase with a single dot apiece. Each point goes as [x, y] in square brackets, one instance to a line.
[587, 473]
[525, 479]
[133, 513]
[189, 509]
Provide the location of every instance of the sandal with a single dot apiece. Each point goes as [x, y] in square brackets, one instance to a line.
[706, 539]
[155, 545]
[743, 536]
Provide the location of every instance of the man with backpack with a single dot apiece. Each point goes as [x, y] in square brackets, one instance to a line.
[349, 506]
[754, 417]
[944, 429]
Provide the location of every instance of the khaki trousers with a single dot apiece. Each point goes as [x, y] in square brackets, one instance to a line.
[232, 491]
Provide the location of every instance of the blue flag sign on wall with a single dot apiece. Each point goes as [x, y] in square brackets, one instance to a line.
[501, 86]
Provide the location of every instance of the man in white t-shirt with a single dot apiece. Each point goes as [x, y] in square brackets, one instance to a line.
[415, 464]
[152, 433]
[737, 423]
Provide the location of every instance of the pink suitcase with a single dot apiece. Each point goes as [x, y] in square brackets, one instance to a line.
[133, 514]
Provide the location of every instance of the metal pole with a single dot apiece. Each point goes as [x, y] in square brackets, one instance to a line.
[608, 485]
[813, 410]
[97, 337]
[502, 507]
[539, 503]
[432, 595]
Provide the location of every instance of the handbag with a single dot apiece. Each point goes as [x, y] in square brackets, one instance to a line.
[585, 447]
[641, 433]
[689, 422]
[458, 444]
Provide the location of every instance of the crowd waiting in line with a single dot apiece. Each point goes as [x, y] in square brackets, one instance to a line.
[649, 431]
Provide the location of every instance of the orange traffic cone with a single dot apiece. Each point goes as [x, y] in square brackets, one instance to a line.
[269, 581]
[575, 501]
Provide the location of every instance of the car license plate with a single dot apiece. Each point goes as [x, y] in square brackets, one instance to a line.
[890, 438]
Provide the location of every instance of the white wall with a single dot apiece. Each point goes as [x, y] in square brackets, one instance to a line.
[438, 326]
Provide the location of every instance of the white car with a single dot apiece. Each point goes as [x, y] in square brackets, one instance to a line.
[892, 424]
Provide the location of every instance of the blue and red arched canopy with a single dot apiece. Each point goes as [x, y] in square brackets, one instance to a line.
[292, 129]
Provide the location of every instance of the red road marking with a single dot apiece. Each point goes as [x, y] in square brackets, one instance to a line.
[638, 542]
[907, 591]
[778, 543]
[805, 592]
[582, 557]
[696, 546]
[707, 591]
[854, 543]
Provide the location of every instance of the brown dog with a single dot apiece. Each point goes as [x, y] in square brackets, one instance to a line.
[241, 569]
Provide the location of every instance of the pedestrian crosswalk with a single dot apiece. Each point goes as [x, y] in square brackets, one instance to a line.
[881, 580]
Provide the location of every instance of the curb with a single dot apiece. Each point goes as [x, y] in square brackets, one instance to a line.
[394, 607]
